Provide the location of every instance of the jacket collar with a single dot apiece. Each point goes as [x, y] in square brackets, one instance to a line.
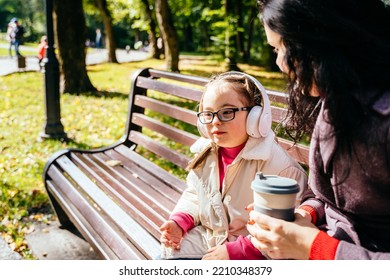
[255, 148]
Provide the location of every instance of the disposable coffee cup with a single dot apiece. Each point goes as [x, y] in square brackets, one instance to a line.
[275, 196]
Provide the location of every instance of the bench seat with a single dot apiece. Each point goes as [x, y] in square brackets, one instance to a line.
[117, 197]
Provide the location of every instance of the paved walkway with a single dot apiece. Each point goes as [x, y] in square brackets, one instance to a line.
[96, 56]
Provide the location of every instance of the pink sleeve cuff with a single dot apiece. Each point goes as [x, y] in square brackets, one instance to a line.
[183, 220]
[243, 249]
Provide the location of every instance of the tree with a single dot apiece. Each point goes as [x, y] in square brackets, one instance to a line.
[169, 35]
[231, 45]
[69, 24]
[152, 30]
[107, 20]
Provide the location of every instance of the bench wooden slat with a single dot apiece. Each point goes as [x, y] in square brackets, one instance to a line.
[149, 176]
[170, 132]
[278, 114]
[175, 76]
[173, 89]
[182, 114]
[278, 97]
[159, 149]
[137, 234]
[140, 201]
[297, 151]
[172, 181]
[95, 226]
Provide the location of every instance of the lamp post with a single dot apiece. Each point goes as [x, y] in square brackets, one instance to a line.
[53, 128]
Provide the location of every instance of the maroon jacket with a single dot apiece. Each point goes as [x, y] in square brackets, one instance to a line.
[357, 210]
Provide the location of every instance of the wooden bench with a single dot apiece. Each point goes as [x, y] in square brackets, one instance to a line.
[116, 196]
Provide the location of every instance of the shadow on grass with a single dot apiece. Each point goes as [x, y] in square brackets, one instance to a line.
[105, 94]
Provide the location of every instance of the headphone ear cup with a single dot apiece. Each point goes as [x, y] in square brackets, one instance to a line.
[202, 129]
[265, 122]
[253, 122]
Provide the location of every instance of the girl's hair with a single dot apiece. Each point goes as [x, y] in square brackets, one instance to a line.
[243, 86]
[239, 83]
[340, 47]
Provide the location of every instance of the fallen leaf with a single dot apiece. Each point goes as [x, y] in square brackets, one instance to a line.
[113, 162]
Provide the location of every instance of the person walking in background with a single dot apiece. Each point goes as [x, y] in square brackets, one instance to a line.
[10, 36]
[209, 220]
[335, 54]
[42, 51]
[19, 33]
[98, 39]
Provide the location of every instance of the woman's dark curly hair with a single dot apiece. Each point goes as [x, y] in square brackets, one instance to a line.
[343, 52]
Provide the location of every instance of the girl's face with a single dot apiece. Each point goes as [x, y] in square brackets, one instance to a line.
[231, 133]
[275, 40]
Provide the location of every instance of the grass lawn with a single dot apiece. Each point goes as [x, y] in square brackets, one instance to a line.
[90, 120]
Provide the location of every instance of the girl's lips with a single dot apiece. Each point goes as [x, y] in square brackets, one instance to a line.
[217, 132]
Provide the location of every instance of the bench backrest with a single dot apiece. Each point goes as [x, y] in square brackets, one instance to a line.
[162, 109]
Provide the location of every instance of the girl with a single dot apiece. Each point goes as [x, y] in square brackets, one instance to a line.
[209, 219]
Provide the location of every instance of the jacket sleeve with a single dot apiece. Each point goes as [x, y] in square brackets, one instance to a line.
[189, 202]
[349, 251]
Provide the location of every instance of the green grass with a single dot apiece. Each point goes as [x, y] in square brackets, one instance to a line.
[90, 120]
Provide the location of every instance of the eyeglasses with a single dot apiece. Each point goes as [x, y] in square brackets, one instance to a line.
[224, 115]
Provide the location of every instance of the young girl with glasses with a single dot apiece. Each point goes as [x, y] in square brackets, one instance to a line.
[209, 221]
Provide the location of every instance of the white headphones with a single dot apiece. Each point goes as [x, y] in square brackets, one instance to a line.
[259, 120]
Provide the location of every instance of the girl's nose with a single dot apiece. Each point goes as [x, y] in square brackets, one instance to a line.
[216, 120]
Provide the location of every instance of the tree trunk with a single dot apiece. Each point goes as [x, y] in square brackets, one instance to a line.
[230, 36]
[110, 38]
[70, 30]
[247, 53]
[154, 52]
[240, 41]
[169, 35]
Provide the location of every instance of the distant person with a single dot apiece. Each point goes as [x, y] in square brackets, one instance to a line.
[10, 36]
[42, 50]
[98, 39]
[128, 48]
[19, 33]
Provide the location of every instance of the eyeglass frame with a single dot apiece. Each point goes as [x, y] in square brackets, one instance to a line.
[247, 108]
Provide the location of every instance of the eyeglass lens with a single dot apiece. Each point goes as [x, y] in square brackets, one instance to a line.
[224, 115]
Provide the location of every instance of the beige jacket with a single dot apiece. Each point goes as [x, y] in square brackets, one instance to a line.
[221, 217]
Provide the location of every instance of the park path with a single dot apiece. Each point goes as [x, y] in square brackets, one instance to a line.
[96, 56]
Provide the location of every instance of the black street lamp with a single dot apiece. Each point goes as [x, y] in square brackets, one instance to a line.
[53, 128]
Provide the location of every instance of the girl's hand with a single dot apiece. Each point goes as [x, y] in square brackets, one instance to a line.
[217, 253]
[280, 239]
[171, 235]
